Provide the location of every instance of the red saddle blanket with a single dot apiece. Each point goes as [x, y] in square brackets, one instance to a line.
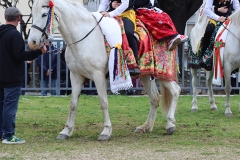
[154, 58]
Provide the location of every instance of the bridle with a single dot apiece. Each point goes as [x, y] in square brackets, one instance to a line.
[44, 29]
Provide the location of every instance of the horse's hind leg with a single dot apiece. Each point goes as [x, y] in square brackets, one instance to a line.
[152, 91]
[209, 75]
[100, 83]
[76, 82]
[227, 78]
[194, 86]
[170, 93]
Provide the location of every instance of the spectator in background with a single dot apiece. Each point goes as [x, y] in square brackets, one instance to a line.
[49, 73]
[234, 81]
[63, 81]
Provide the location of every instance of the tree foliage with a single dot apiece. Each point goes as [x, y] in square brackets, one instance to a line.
[8, 3]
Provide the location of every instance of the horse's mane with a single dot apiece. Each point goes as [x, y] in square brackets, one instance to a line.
[74, 2]
[235, 17]
[37, 3]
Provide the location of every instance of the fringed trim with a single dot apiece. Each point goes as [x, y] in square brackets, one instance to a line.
[120, 65]
[121, 79]
[125, 86]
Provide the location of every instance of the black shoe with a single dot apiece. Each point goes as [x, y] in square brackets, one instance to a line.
[134, 71]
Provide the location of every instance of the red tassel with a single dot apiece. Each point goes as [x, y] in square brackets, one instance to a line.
[51, 4]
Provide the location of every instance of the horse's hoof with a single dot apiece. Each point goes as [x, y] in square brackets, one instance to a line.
[214, 109]
[194, 110]
[228, 115]
[103, 138]
[62, 137]
[137, 130]
[170, 130]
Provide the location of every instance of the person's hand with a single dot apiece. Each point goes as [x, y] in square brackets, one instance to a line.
[44, 49]
[223, 9]
[221, 19]
[115, 4]
[105, 14]
[49, 72]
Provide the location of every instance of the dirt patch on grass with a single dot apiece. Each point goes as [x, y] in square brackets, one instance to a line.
[103, 151]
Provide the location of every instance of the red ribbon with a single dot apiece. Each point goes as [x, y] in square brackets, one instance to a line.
[217, 50]
[51, 4]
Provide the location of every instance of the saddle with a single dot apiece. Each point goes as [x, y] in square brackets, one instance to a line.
[154, 59]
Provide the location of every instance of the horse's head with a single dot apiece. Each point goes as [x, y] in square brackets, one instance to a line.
[45, 21]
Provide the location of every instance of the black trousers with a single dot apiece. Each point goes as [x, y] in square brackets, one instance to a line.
[207, 36]
[132, 40]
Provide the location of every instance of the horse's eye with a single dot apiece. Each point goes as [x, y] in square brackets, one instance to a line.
[44, 15]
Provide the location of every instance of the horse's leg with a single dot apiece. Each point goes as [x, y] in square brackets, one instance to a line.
[209, 75]
[170, 93]
[227, 78]
[154, 96]
[76, 82]
[194, 86]
[100, 82]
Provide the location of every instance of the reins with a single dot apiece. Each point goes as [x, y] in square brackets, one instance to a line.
[59, 50]
[230, 31]
[88, 32]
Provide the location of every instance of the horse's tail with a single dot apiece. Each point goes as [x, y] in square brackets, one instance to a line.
[166, 95]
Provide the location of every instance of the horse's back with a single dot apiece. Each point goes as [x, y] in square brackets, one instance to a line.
[232, 48]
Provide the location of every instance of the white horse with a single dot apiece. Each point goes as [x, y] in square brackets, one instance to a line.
[231, 60]
[88, 59]
[195, 36]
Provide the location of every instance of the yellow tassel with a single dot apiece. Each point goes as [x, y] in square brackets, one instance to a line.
[118, 46]
[178, 69]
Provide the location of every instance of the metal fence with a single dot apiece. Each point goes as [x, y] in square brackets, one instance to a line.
[33, 88]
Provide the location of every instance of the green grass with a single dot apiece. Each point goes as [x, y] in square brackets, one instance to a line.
[40, 119]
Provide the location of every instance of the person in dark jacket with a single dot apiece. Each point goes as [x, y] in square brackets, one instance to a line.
[12, 57]
[49, 73]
